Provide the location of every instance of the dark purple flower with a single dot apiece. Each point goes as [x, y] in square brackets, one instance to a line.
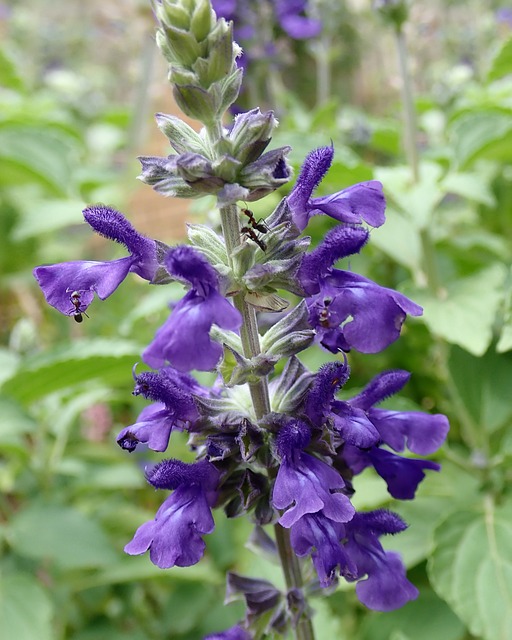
[319, 536]
[184, 340]
[386, 586]
[233, 633]
[174, 409]
[401, 475]
[421, 433]
[60, 282]
[352, 312]
[305, 484]
[358, 203]
[321, 407]
[174, 536]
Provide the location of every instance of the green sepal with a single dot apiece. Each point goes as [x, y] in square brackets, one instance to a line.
[229, 90]
[289, 335]
[173, 14]
[293, 383]
[181, 136]
[182, 45]
[195, 102]
[211, 246]
[202, 20]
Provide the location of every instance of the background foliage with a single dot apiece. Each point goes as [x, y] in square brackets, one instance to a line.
[73, 111]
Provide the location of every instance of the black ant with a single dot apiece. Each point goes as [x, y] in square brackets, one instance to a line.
[77, 310]
[324, 315]
[259, 225]
[250, 233]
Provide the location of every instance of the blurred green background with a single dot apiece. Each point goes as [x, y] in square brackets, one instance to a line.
[79, 85]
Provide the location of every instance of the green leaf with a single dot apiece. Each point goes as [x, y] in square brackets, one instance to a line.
[483, 386]
[472, 186]
[399, 239]
[471, 568]
[47, 215]
[29, 153]
[501, 64]
[417, 200]
[15, 422]
[426, 618]
[61, 535]
[84, 360]
[25, 609]
[481, 134]
[465, 312]
[10, 78]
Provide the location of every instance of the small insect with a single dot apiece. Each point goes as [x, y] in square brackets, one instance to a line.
[324, 315]
[250, 233]
[259, 225]
[77, 310]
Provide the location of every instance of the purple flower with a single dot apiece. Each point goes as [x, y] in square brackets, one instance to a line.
[174, 536]
[358, 203]
[296, 26]
[401, 475]
[184, 340]
[421, 433]
[305, 484]
[385, 587]
[348, 310]
[319, 536]
[174, 409]
[70, 286]
[233, 633]
[352, 423]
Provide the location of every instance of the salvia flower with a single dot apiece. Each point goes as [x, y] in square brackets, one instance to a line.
[70, 286]
[306, 484]
[173, 538]
[184, 339]
[347, 310]
[363, 202]
[233, 633]
[174, 409]
[385, 586]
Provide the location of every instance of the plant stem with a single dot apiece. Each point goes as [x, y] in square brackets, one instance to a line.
[411, 151]
[261, 402]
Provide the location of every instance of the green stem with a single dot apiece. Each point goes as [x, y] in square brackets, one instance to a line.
[261, 402]
[410, 133]
[411, 151]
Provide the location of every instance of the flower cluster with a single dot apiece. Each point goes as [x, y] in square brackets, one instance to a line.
[281, 448]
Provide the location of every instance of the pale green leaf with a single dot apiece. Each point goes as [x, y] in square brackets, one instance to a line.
[472, 186]
[483, 386]
[416, 199]
[471, 569]
[81, 361]
[25, 609]
[465, 312]
[486, 133]
[48, 215]
[502, 62]
[399, 239]
[61, 535]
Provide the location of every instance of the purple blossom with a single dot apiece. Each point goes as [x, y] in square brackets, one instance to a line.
[184, 339]
[363, 202]
[174, 536]
[352, 423]
[348, 310]
[233, 633]
[305, 484]
[421, 433]
[174, 409]
[402, 475]
[297, 26]
[319, 536]
[59, 281]
[385, 587]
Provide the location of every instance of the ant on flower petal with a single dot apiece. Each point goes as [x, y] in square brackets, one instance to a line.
[77, 311]
[250, 233]
[259, 225]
